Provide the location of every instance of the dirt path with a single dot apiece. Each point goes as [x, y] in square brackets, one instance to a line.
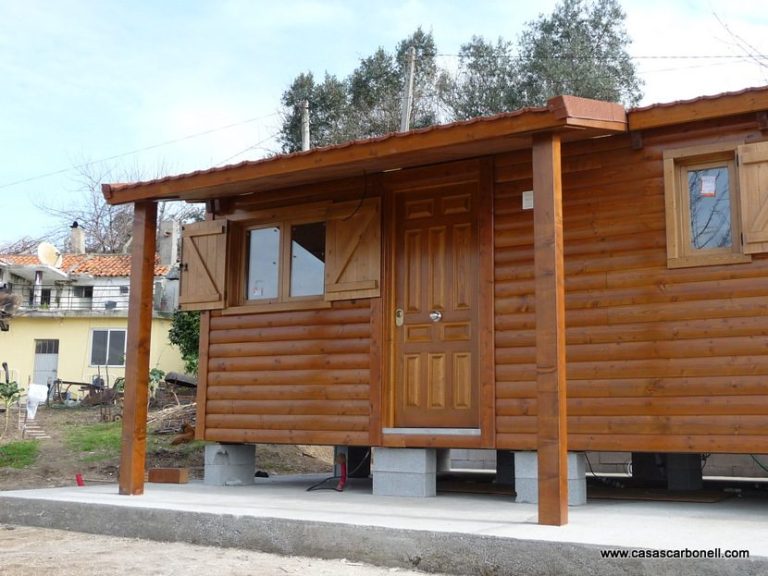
[58, 463]
[37, 552]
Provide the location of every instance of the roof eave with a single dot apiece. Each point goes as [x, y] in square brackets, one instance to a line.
[440, 143]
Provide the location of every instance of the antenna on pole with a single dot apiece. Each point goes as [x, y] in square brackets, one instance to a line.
[305, 125]
[405, 119]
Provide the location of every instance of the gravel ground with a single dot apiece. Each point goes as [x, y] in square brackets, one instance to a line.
[26, 551]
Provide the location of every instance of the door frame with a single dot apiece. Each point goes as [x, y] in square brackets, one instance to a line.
[480, 170]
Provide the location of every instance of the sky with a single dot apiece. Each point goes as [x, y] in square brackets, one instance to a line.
[153, 87]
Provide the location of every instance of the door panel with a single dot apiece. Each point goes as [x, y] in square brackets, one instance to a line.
[436, 264]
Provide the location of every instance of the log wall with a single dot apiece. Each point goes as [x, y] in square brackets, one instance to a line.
[294, 377]
[657, 359]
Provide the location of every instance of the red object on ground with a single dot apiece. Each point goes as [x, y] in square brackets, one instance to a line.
[79, 480]
[343, 479]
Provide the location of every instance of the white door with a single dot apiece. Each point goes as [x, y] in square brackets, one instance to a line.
[46, 361]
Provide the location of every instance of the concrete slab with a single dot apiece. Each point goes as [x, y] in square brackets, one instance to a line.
[460, 534]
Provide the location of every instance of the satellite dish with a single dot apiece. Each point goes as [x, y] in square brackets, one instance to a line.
[49, 255]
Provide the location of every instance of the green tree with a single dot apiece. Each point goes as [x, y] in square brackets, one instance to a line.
[367, 103]
[581, 49]
[185, 333]
[486, 82]
[9, 393]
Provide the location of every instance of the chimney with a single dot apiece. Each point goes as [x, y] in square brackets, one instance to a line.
[168, 242]
[76, 239]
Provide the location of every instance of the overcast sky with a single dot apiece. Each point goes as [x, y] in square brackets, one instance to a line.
[87, 80]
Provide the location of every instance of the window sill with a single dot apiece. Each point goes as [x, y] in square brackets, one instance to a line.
[712, 260]
[275, 307]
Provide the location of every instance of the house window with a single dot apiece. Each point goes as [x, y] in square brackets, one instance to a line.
[703, 207]
[82, 291]
[286, 262]
[108, 348]
[46, 346]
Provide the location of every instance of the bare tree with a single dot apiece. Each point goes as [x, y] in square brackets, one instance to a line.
[750, 51]
[107, 227]
[25, 245]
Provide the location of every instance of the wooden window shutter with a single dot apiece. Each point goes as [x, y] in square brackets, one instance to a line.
[753, 192]
[203, 265]
[353, 250]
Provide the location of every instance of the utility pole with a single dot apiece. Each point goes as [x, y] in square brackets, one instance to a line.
[405, 119]
[305, 125]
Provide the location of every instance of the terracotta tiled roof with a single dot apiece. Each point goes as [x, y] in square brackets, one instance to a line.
[99, 265]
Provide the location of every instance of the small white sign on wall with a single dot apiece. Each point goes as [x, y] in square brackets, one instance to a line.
[528, 200]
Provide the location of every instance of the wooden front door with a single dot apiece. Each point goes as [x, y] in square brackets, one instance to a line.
[436, 267]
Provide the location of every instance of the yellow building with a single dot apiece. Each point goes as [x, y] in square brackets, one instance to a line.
[72, 319]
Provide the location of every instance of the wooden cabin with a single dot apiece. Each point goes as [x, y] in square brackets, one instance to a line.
[575, 277]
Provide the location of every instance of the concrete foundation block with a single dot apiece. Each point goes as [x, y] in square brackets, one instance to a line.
[527, 478]
[229, 464]
[410, 472]
[472, 459]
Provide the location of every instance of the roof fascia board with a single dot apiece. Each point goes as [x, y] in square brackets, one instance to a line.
[562, 112]
[706, 108]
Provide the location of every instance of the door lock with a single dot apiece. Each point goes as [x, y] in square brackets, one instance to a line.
[435, 315]
[399, 317]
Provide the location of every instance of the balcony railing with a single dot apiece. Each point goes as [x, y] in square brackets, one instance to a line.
[93, 298]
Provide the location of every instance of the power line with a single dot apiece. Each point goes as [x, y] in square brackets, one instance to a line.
[136, 151]
[243, 151]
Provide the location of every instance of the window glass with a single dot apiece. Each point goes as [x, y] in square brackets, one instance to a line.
[116, 349]
[99, 347]
[710, 207]
[308, 259]
[108, 348]
[263, 263]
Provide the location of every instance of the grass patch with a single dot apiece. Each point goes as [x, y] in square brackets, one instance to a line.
[19, 454]
[99, 441]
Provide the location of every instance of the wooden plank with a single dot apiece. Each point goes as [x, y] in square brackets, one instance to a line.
[287, 348]
[486, 347]
[339, 314]
[296, 392]
[376, 359]
[310, 437]
[431, 441]
[289, 377]
[304, 407]
[293, 362]
[316, 423]
[550, 331]
[336, 331]
[642, 387]
[739, 405]
[168, 475]
[134, 431]
[202, 374]
[706, 443]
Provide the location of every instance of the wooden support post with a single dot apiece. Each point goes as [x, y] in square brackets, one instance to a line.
[134, 439]
[550, 331]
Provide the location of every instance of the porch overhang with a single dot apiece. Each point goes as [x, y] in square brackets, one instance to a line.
[575, 118]
[540, 130]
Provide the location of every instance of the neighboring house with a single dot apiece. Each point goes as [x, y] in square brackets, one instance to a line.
[73, 314]
[576, 277]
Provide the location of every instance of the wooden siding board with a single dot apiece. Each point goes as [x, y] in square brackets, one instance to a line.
[291, 377]
[660, 352]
